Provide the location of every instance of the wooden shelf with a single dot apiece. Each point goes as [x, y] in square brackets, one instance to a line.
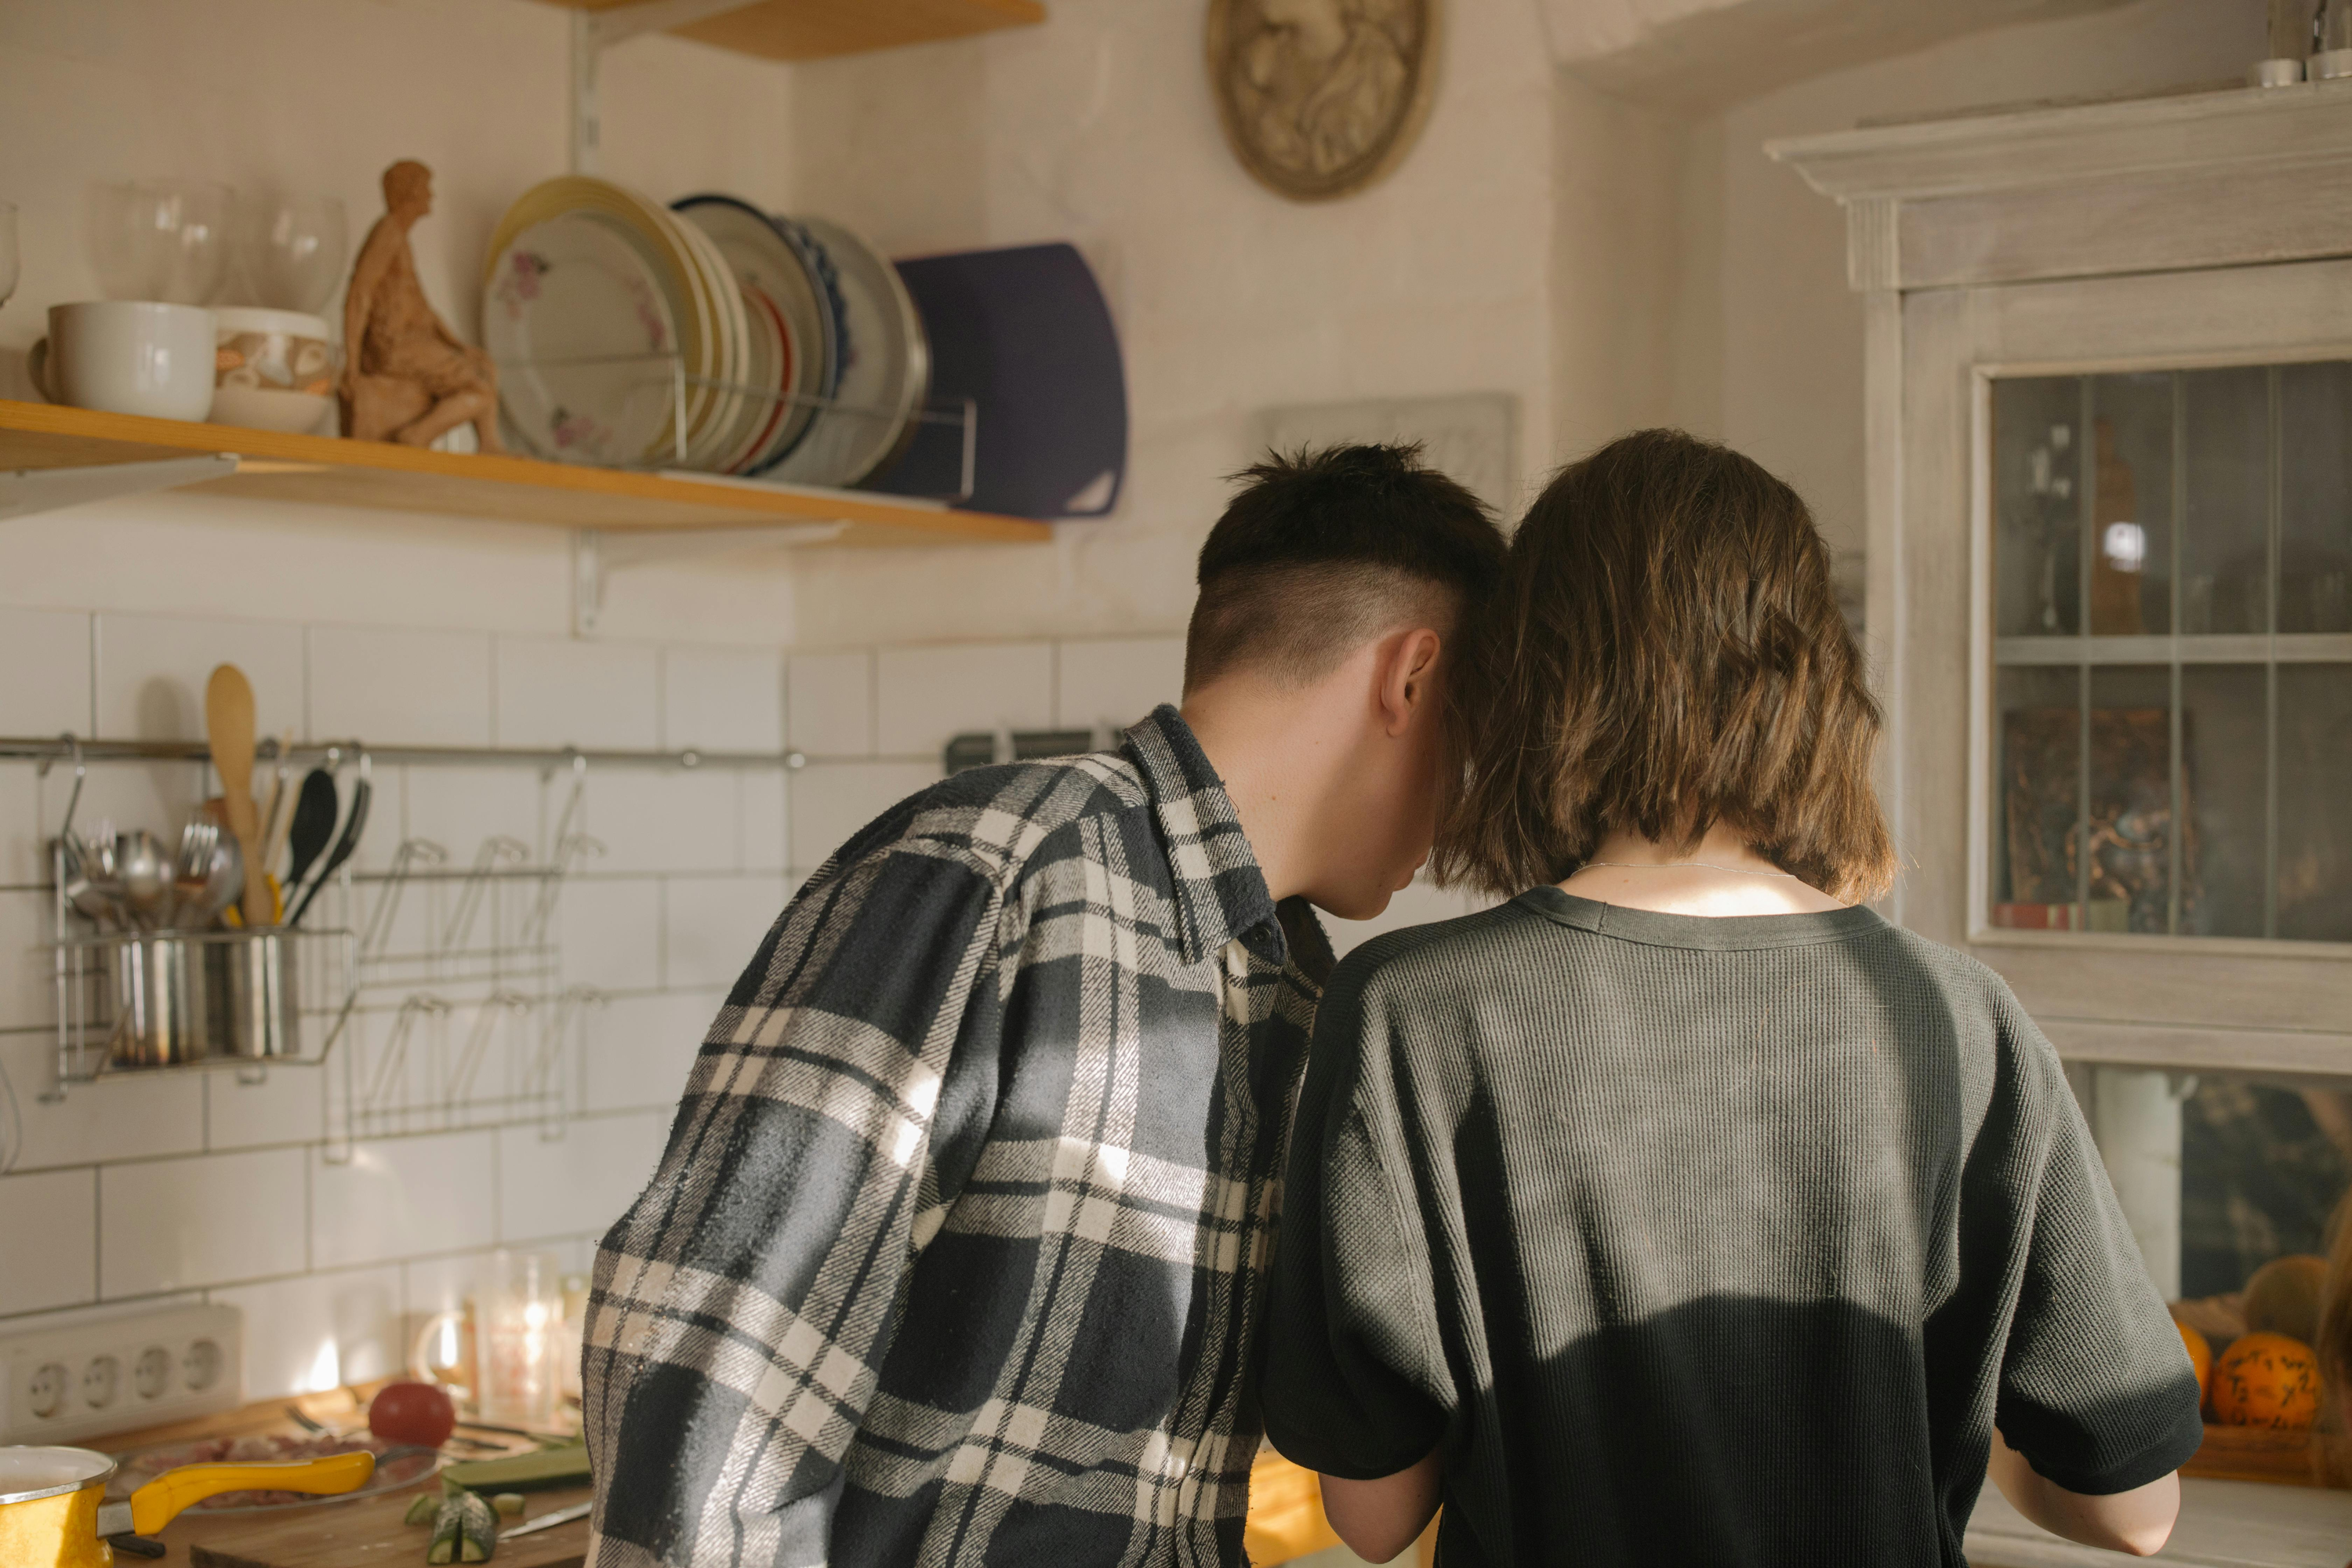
[814, 29]
[327, 470]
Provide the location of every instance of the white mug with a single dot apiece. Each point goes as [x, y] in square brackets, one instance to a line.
[127, 356]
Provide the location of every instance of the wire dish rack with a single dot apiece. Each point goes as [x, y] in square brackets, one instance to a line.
[432, 998]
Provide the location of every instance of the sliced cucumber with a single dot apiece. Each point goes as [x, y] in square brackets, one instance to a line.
[565, 1467]
[424, 1510]
[465, 1530]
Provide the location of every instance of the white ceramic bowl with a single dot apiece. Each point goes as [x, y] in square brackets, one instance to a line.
[273, 370]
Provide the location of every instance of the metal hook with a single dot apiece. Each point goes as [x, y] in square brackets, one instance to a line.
[81, 770]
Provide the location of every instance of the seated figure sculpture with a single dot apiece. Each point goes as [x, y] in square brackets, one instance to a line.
[406, 376]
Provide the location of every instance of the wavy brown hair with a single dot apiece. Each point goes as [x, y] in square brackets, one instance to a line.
[1665, 653]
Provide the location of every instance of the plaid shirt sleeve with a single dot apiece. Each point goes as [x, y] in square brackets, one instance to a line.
[739, 1308]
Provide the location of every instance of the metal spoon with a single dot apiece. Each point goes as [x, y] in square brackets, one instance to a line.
[146, 874]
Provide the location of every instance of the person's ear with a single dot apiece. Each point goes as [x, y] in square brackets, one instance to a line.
[1405, 678]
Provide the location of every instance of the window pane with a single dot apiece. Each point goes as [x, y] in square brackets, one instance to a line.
[2315, 802]
[2225, 747]
[2316, 499]
[2225, 553]
[2131, 505]
[2037, 509]
[2039, 802]
[2262, 1168]
[2131, 800]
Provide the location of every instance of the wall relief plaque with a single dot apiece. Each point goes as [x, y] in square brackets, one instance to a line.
[1320, 98]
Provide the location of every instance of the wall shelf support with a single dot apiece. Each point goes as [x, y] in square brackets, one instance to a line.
[25, 491]
[594, 32]
[597, 553]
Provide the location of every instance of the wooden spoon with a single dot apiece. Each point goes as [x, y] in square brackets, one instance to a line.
[229, 729]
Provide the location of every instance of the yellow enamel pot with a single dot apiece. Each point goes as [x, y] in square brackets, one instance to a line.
[53, 1513]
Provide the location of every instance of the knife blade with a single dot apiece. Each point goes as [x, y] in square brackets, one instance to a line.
[550, 1520]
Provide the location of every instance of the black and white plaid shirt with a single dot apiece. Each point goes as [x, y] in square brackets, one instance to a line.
[959, 1247]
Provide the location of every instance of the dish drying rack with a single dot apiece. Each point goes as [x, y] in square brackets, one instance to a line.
[436, 987]
[668, 377]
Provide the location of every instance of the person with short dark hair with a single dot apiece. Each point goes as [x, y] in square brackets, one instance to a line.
[959, 1247]
[1682, 1210]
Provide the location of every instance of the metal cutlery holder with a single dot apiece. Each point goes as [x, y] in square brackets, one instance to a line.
[138, 1000]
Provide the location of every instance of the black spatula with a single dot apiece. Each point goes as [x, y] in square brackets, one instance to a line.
[313, 826]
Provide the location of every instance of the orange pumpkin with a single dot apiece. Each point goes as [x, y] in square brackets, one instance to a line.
[2201, 1356]
[2266, 1380]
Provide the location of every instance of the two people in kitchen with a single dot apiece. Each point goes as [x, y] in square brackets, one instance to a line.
[1679, 1209]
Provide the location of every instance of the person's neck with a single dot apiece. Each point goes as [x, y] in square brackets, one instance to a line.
[1719, 875]
[1276, 752]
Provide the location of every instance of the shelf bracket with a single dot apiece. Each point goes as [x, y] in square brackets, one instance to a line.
[597, 553]
[23, 491]
[594, 32]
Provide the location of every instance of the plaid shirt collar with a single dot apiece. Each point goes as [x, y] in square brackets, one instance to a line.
[1221, 894]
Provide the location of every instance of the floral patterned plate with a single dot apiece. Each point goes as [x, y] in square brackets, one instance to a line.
[586, 340]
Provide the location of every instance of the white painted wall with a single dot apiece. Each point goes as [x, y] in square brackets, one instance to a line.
[1789, 373]
[1099, 128]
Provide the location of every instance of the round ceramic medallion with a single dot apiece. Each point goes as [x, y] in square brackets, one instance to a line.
[1320, 98]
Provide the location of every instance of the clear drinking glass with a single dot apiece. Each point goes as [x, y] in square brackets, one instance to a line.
[164, 240]
[289, 251]
[519, 1338]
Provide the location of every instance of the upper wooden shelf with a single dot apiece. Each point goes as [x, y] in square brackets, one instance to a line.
[813, 29]
[330, 471]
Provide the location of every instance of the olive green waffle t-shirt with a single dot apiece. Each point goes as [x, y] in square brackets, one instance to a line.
[1703, 1241]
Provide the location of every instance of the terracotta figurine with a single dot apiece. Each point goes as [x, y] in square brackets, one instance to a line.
[406, 376]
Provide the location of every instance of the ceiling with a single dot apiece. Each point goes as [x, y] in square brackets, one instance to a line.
[1703, 54]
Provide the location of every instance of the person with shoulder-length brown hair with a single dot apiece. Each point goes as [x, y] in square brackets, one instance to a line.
[1681, 1209]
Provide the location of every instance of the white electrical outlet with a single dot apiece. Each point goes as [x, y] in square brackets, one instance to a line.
[111, 1376]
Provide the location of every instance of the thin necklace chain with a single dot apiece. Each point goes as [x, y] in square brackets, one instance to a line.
[1682, 865]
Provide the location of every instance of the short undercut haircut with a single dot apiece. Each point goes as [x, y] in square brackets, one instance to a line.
[1322, 550]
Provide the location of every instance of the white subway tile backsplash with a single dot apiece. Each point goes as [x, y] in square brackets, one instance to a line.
[925, 695]
[318, 1332]
[831, 703]
[638, 1050]
[153, 671]
[765, 795]
[400, 685]
[611, 933]
[287, 1104]
[564, 693]
[1114, 681]
[166, 1224]
[714, 924]
[48, 1240]
[45, 672]
[124, 1118]
[722, 700]
[430, 1285]
[833, 800]
[460, 808]
[400, 1198]
[578, 1184]
[661, 819]
[27, 975]
[23, 846]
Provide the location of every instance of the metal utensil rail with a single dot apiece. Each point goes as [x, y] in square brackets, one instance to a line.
[467, 947]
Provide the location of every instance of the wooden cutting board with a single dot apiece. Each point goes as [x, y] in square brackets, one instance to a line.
[368, 1534]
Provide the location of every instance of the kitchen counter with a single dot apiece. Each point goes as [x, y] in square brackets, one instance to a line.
[2223, 1525]
[363, 1532]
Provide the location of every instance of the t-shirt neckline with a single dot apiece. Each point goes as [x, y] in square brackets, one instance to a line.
[1715, 933]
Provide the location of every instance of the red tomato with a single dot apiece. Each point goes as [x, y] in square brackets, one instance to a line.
[411, 1413]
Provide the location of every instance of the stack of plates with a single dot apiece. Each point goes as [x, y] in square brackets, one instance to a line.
[710, 336]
